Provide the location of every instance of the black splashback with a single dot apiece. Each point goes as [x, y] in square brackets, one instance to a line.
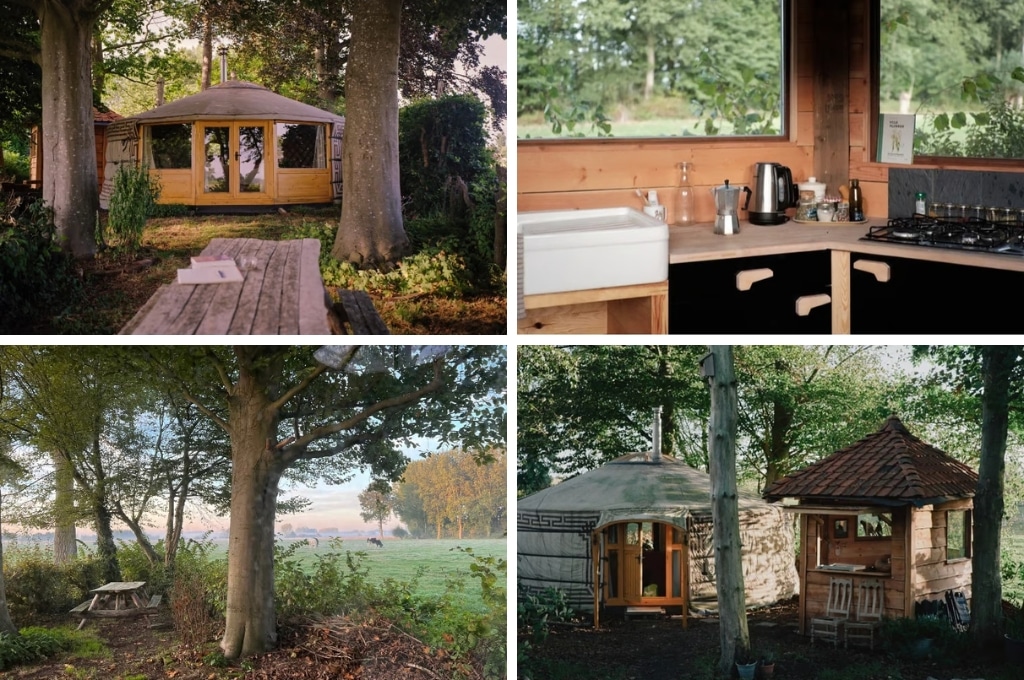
[970, 187]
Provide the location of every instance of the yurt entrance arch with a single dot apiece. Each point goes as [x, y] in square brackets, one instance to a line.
[645, 564]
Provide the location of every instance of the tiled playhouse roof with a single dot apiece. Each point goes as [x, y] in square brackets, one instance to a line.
[104, 117]
[890, 465]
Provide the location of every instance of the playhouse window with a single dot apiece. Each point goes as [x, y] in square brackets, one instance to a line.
[958, 534]
[871, 525]
[168, 147]
[300, 145]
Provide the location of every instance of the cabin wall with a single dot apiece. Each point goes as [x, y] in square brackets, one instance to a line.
[933, 575]
[296, 185]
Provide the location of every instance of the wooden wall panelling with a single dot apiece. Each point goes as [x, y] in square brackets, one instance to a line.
[831, 93]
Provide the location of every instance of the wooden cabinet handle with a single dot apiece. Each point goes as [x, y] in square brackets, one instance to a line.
[747, 278]
[805, 304]
[880, 270]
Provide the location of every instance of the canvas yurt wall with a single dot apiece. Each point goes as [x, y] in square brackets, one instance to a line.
[557, 529]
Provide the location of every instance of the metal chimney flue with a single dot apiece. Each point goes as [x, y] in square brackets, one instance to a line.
[223, 52]
[656, 436]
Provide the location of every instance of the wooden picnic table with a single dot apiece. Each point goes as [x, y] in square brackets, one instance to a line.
[118, 598]
[282, 294]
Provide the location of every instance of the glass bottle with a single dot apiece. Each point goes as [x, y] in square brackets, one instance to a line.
[856, 202]
[684, 204]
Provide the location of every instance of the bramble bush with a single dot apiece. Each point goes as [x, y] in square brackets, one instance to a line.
[36, 587]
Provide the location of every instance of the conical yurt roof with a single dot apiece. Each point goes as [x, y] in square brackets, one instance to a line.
[236, 99]
[634, 488]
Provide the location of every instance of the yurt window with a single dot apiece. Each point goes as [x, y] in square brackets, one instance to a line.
[874, 526]
[168, 147]
[301, 145]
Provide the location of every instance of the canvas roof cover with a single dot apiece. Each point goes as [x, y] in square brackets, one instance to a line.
[554, 525]
[236, 99]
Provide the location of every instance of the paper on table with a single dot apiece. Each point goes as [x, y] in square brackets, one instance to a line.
[211, 261]
[223, 274]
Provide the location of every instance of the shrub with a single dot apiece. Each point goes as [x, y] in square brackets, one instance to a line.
[16, 165]
[37, 587]
[33, 644]
[330, 585]
[197, 592]
[36, 277]
[170, 210]
[131, 204]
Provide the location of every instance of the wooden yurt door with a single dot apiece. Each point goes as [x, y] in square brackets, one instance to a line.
[646, 563]
[233, 162]
[632, 564]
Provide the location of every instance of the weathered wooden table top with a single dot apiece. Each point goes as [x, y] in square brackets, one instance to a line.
[119, 587]
[282, 294]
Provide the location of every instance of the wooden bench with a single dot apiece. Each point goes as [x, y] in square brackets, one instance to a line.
[154, 602]
[80, 609]
[282, 294]
[355, 315]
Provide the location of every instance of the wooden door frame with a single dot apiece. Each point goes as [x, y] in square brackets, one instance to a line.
[234, 195]
[670, 547]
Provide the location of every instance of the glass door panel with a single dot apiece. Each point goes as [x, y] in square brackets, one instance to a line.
[217, 163]
[250, 164]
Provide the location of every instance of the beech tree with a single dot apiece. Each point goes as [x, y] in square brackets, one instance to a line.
[283, 410]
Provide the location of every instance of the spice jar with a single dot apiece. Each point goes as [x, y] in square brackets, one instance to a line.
[919, 203]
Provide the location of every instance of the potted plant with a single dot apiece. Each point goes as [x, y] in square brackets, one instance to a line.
[767, 662]
[746, 663]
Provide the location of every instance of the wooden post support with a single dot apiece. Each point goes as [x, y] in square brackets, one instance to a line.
[595, 558]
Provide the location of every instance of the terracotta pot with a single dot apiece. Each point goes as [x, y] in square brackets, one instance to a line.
[767, 670]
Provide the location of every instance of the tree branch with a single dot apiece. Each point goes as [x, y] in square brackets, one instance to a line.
[19, 50]
[296, 450]
[299, 388]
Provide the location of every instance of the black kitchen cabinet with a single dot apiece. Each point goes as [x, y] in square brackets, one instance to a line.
[921, 297]
[705, 297]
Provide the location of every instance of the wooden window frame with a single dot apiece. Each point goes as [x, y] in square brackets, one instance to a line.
[788, 108]
[968, 535]
[920, 161]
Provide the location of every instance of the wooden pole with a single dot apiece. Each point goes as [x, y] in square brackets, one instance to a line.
[718, 368]
[595, 558]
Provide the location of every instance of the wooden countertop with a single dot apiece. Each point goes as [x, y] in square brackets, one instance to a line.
[699, 243]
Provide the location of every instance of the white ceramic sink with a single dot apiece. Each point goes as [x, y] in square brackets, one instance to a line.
[566, 250]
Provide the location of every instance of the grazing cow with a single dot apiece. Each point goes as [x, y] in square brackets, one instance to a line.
[376, 541]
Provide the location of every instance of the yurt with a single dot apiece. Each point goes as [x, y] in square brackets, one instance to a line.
[634, 535]
[234, 146]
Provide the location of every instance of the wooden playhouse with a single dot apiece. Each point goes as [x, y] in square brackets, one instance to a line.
[889, 507]
[236, 145]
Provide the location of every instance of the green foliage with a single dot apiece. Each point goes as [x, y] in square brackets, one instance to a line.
[428, 272]
[15, 166]
[36, 277]
[449, 180]
[131, 204]
[171, 210]
[400, 533]
[36, 587]
[535, 611]
[749, 101]
[902, 638]
[324, 587]
[34, 644]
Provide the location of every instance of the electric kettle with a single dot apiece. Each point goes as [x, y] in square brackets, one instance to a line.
[774, 191]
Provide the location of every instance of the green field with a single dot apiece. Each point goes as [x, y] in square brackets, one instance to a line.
[400, 560]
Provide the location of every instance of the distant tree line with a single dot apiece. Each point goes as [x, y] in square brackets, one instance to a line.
[451, 494]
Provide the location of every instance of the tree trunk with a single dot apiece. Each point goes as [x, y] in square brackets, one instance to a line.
[99, 76]
[371, 230]
[733, 634]
[777, 455]
[106, 549]
[70, 185]
[986, 589]
[207, 52]
[251, 624]
[6, 625]
[65, 543]
[380, 529]
[649, 79]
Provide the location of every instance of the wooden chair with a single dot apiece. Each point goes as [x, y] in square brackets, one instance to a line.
[870, 605]
[837, 611]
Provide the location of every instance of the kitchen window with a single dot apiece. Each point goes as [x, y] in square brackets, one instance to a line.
[651, 68]
[958, 68]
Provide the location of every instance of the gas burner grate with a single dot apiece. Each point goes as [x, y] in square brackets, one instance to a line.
[972, 234]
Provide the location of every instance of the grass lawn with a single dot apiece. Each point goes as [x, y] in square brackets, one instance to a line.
[115, 290]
